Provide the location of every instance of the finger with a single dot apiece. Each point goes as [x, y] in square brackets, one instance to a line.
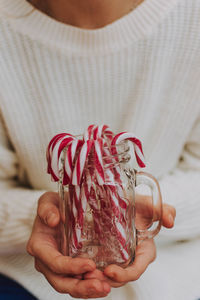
[146, 210]
[144, 206]
[97, 274]
[48, 209]
[89, 288]
[43, 245]
[168, 217]
[145, 254]
[60, 264]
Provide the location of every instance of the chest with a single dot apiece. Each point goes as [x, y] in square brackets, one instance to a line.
[141, 89]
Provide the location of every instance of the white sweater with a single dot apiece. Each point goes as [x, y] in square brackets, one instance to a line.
[141, 74]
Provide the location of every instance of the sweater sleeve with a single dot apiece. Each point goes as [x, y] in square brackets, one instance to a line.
[181, 188]
[17, 203]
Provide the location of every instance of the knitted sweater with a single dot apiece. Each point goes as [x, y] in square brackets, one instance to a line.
[141, 74]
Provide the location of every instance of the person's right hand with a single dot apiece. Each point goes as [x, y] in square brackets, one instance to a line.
[64, 273]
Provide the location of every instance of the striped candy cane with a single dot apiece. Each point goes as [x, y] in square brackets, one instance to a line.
[98, 161]
[54, 151]
[89, 132]
[81, 161]
[71, 152]
[102, 131]
[136, 143]
[49, 150]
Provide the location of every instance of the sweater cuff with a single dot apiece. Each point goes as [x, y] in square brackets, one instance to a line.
[18, 208]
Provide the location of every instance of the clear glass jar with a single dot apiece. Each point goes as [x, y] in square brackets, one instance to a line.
[99, 221]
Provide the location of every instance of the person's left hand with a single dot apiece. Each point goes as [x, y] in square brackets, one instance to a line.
[117, 276]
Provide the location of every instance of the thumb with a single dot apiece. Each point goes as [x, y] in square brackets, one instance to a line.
[48, 210]
[169, 215]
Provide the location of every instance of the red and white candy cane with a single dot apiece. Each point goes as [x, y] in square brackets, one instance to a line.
[54, 151]
[74, 216]
[71, 152]
[90, 194]
[98, 134]
[78, 204]
[136, 143]
[102, 131]
[49, 149]
[98, 161]
[88, 135]
[80, 162]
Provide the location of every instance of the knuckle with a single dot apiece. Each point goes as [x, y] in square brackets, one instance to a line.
[35, 247]
[95, 287]
[29, 248]
[37, 266]
[119, 279]
[57, 265]
[59, 289]
[53, 268]
[76, 295]
[137, 274]
[58, 285]
[174, 212]
[154, 255]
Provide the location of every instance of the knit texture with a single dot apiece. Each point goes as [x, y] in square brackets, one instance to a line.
[141, 74]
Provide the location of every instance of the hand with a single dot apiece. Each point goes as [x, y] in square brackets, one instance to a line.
[62, 272]
[145, 251]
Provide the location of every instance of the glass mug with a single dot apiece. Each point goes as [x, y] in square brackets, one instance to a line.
[104, 227]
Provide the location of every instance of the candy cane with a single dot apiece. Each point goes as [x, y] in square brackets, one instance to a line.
[76, 230]
[98, 145]
[102, 131]
[89, 132]
[70, 154]
[49, 149]
[54, 153]
[136, 143]
[80, 162]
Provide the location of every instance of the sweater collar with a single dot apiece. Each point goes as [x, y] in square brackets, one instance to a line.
[134, 26]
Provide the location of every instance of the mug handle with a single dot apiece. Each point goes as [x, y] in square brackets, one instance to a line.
[149, 180]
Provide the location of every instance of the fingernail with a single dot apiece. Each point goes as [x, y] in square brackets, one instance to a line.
[106, 288]
[171, 219]
[111, 275]
[50, 217]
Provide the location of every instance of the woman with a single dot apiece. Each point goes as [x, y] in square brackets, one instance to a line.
[66, 64]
